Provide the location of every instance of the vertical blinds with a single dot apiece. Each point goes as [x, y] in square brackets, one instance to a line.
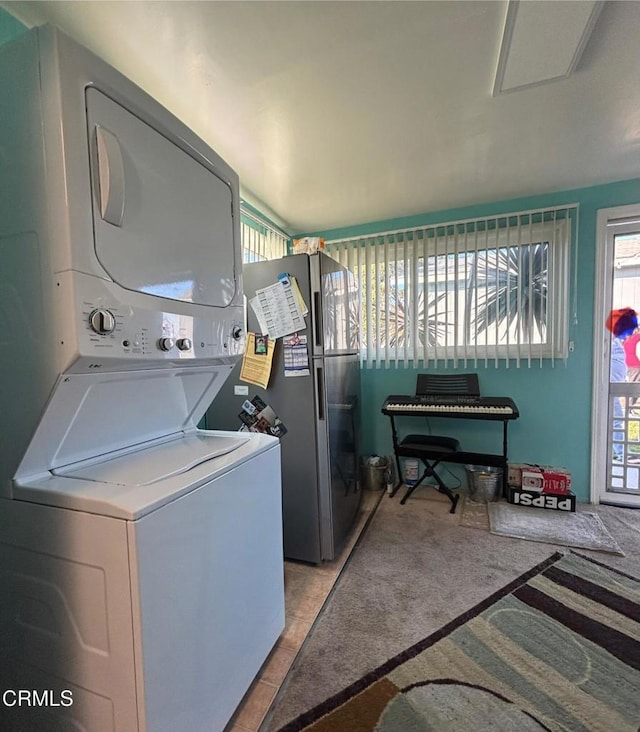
[489, 289]
[260, 240]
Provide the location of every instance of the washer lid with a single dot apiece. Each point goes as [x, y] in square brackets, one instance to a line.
[153, 464]
[137, 482]
[91, 416]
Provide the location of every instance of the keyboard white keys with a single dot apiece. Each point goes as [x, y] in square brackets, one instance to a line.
[490, 406]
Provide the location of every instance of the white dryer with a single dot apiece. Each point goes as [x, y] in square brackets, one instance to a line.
[140, 557]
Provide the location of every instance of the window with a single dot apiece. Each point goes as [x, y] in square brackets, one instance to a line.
[260, 240]
[488, 289]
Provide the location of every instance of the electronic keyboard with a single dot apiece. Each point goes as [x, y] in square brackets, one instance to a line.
[455, 405]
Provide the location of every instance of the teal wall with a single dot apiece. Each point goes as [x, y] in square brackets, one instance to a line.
[554, 400]
[9, 27]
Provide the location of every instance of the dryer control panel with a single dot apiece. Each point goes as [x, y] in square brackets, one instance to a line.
[126, 331]
[113, 333]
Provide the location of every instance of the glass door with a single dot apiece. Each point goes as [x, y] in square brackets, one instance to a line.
[616, 458]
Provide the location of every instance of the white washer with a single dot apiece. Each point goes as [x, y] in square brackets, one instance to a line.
[140, 557]
[148, 585]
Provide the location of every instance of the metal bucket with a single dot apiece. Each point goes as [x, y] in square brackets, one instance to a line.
[484, 483]
[374, 476]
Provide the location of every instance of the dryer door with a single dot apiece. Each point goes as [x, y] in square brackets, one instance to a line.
[163, 220]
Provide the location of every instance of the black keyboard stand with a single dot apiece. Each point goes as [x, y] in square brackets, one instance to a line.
[431, 450]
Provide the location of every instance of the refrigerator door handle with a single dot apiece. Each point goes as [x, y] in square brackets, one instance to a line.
[317, 309]
[320, 391]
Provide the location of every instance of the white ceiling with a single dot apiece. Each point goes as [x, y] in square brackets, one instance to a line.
[339, 113]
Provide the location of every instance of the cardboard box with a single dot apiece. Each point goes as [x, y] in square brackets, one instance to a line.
[308, 245]
[541, 478]
[546, 479]
[536, 499]
[514, 473]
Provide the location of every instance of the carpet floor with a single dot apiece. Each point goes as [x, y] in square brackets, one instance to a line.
[557, 649]
[416, 568]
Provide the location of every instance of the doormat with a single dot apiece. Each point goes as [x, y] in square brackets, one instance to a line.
[556, 649]
[582, 530]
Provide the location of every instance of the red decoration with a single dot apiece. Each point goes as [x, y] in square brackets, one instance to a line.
[622, 322]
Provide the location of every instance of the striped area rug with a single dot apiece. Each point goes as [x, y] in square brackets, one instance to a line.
[557, 649]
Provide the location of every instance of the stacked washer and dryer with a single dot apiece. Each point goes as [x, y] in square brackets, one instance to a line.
[140, 557]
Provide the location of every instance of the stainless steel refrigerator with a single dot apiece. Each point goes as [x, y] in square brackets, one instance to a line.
[319, 411]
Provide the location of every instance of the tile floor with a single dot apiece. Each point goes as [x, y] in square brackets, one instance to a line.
[307, 587]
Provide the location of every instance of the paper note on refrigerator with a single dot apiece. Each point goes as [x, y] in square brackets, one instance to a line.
[262, 322]
[256, 368]
[296, 356]
[296, 291]
[278, 308]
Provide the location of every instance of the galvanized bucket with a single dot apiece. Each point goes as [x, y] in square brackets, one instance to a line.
[484, 483]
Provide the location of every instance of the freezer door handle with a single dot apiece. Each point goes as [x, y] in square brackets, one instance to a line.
[317, 309]
[110, 176]
[320, 391]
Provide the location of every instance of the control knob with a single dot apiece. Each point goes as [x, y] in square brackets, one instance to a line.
[102, 321]
[236, 332]
[166, 344]
[184, 344]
